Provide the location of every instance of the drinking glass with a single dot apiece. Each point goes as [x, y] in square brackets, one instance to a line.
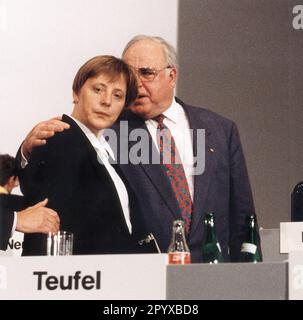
[60, 243]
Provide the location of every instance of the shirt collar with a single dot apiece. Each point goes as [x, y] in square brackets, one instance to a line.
[172, 113]
[98, 142]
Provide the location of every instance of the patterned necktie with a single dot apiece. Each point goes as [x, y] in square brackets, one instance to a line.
[170, 158]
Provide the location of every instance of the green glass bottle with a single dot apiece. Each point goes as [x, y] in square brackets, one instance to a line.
[211, 250]
[249, 249]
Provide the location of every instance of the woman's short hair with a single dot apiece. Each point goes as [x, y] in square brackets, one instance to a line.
[113, 68]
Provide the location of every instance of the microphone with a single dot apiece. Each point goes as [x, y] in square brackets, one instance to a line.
[150, 239]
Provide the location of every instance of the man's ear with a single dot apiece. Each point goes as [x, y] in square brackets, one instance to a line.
[173, 77]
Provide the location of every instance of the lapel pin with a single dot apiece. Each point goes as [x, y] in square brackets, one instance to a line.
[211, 150]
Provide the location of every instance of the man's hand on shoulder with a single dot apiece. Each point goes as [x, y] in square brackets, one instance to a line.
[40, 133]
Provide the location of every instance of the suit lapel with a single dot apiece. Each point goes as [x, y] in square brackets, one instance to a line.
[157, 177]
[160, 181]
[201, 181]
[86, 146]
[100, 169]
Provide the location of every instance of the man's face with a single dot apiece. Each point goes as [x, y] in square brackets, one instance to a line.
[154, 96]
[99, 102]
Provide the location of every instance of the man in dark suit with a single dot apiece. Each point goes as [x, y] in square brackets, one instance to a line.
[13, 212]
[223, 187]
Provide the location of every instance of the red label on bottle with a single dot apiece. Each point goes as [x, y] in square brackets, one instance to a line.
[179, 258]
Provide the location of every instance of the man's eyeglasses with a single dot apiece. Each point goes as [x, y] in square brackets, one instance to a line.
[148, 74]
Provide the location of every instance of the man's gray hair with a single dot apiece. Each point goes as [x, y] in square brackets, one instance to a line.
[170, 52]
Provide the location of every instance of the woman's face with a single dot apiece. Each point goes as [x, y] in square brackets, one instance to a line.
[100, 102]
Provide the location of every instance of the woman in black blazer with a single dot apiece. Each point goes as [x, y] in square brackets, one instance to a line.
[70, 171]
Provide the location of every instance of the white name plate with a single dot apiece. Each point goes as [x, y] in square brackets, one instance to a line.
[14, 248]
[291, 236]
[295, 275]
[102, 277]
